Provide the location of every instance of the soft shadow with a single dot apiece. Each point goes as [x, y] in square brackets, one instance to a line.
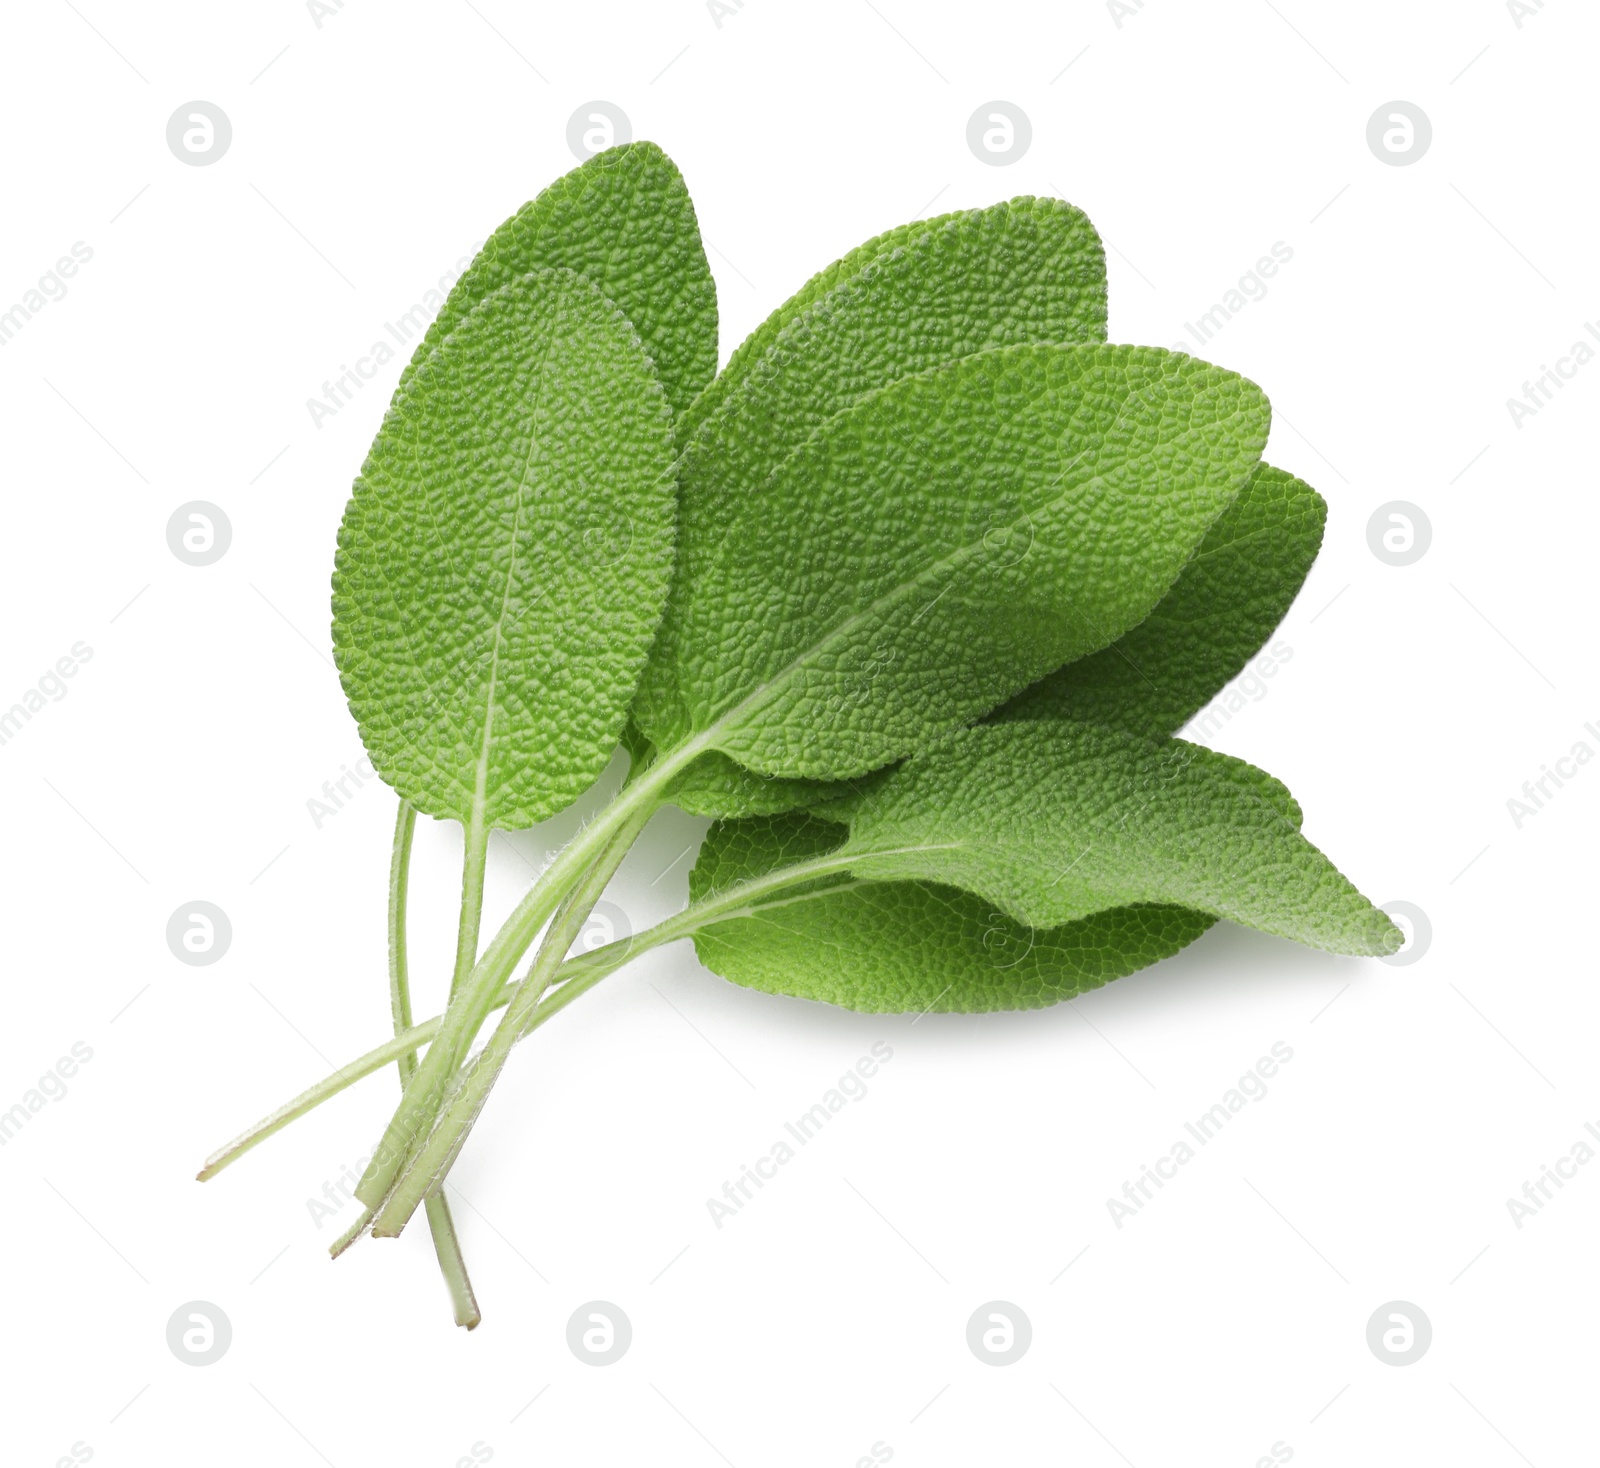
[1228, 963]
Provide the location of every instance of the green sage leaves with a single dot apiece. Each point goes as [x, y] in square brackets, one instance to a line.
[913, 596]
[624, 219]
[1053, 821]
[941, 545]
[908, 946]
[504, 558]
[1219, 613]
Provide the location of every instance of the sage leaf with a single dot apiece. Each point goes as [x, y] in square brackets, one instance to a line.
[1218, 615]
[505, 555]
[940, 546]
[623, 219]
[1053, 821]
[896, 947]
[754, 347]
[715, 785]
[1032, 270]
[839, 802]
[1152, 680]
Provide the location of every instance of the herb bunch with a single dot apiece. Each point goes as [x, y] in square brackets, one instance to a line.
[911, 598]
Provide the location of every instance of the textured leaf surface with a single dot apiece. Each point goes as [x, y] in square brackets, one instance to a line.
[942, 545]
[1219, 613]
[840, 801]
[623, 219]
[1153, 679]
[893, 947]
[640, 751]
[751, 350]
[1052, 821]
[1032, 270]
[504, 558]
[715, 785]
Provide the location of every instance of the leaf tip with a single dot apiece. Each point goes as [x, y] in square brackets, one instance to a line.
[1388, 937]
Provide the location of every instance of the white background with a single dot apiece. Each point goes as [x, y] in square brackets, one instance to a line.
[1230, 1314]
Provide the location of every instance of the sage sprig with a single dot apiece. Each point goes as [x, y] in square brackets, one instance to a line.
[913, 598]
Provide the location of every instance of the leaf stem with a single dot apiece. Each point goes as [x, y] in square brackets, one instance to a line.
[424, 1173]
[475, 856]
[475, 992]
[576, 977]
[447, 1248]
[405, 825]
[364, 1065]
[441, 1225]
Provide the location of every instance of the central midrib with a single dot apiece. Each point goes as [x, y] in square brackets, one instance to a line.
[481, 783]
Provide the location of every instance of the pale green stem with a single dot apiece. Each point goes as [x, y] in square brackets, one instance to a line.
[405, 825]
[441, 1225]
[350, 1235]
[375, 1060]
[576, 976]
[474, 994]
[445, 1055]
[475, 857]
[447, 1248]
[436, 1152]
[325, 1089]
[424, 1177]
